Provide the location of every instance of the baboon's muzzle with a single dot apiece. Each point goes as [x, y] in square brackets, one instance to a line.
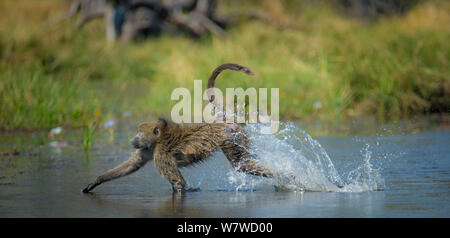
[135, 142]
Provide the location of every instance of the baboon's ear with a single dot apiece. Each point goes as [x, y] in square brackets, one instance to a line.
[162, 123]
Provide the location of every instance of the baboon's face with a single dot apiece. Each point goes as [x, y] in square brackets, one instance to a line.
[147, 134]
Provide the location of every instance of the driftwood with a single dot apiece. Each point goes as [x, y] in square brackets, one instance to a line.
[126, 20]
[89, 9]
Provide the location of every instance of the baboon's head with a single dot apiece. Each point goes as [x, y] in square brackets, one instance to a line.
[148, 133]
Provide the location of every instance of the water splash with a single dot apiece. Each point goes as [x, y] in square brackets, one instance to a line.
[365, 177]
[301, 164]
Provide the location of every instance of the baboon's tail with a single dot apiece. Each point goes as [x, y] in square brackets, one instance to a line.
[218, 70]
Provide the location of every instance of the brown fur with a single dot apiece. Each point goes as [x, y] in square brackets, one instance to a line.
[175, 146]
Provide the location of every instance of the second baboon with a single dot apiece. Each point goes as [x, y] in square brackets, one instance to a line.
[173, 146]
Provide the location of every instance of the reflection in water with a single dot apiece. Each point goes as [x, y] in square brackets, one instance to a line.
[413, 169]
[245, 204]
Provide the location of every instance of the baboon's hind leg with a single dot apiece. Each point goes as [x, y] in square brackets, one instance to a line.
[240, 158]
[236, 149]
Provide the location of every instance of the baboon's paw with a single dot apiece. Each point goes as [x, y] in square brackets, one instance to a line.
[87, 189]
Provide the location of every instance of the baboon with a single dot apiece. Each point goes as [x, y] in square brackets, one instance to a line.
[173, 146]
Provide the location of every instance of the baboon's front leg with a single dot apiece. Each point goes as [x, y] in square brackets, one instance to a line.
[166, 165]
[138, 159]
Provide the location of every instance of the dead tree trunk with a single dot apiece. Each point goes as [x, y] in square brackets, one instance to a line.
[128, 19]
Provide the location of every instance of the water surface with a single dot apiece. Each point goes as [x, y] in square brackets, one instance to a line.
[404, 175]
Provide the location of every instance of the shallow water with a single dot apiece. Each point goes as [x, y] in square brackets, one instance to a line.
[405, 175]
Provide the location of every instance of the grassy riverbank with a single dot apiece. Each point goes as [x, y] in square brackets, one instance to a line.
[395, 67]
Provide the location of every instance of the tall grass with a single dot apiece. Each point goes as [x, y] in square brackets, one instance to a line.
[32, 99]
[392, 68]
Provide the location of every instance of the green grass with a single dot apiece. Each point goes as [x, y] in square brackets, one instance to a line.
[88, 135]
[396, 67]
[31, 100]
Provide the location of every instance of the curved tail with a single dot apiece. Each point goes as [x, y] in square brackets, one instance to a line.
[218, 70]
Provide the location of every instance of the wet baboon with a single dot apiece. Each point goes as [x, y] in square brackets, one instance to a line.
[174, 146]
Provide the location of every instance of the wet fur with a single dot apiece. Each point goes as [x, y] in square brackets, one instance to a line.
[174, 146]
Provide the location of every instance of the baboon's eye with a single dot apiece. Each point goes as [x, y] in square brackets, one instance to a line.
[156, 131]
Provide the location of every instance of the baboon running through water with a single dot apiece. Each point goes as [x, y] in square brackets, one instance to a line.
[174, 146]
